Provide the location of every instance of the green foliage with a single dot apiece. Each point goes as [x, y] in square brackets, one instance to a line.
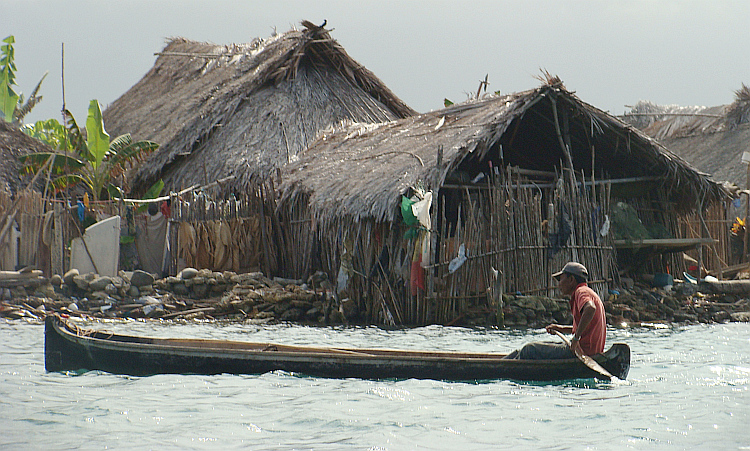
[152, 193]
[96, 162]
[50, 132]
[12, 106]
[8, 97]
[98, 139]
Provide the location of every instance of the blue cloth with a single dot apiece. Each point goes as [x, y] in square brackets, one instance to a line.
[81, 210]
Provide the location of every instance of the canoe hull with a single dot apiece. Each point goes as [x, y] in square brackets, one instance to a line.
[70, 349]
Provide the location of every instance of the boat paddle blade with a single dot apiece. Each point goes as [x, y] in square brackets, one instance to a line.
[588, 361]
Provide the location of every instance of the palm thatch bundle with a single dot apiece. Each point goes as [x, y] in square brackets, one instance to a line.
[245, 109]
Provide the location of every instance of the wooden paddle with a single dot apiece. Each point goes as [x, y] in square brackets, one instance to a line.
[588, 361]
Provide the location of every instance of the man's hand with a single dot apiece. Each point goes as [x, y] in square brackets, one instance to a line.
[552, 328]
[575, 345]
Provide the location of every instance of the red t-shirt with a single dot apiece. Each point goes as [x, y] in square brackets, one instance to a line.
[592, 339]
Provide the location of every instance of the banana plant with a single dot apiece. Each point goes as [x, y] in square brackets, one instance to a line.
[94, 161]
[12, 105]
[8, 97]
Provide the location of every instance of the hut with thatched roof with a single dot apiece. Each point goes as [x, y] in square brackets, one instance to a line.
[714, 140]
[244, 110]
[411, 218]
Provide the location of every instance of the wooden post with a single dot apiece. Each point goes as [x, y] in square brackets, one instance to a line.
[57, 241]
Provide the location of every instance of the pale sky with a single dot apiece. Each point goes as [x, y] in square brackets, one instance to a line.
[612, 53]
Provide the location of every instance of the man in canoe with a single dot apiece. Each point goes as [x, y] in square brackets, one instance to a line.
[589, 327]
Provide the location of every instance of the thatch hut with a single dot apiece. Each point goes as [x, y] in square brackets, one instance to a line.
[519, 183]
[714, 140]
[244, 110]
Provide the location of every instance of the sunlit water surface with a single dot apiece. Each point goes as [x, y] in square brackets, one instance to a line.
[687, 388]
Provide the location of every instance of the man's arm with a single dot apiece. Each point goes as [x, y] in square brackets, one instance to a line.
[562, 329]
[587, 314]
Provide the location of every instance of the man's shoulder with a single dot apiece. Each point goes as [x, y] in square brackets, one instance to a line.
[585, 290]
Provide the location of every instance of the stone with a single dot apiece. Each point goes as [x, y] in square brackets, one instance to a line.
[133, 291]
[530, 302]
[348, 308]
[56, 280]
[100, 283]
[148, 300]
[181, 289]
[292, 314]
[153, 310]
[68, 277]
[146, 289]
[141, 278]
[199, 291]
[46, 291]
[111, 289]
[743, 317]
[81, 282]
[187, 273]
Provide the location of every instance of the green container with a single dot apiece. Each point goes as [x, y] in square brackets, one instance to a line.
[663, 279]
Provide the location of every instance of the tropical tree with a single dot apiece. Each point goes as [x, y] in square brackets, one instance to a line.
[92, 160]
[12, 105]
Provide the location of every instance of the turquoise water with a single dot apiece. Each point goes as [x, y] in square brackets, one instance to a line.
[687, 389]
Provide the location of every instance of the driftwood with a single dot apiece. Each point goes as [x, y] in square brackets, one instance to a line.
[21, 278]
[725, 286]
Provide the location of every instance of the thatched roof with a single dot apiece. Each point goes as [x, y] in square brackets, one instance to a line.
[245, 109]
[361, 171]
[711, 138]
[13, 144]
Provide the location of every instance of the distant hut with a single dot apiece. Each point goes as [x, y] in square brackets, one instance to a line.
[713, 140]
[518, 183]
[244, 110]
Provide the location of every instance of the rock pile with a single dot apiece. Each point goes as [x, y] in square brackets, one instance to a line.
[192, 294]
[204, 294]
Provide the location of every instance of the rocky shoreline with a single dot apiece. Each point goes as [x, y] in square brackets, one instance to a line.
[206, 295]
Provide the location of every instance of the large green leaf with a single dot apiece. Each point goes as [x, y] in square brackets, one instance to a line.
[132, 153]
[8, 97]
[97, 138]
[119, 143]
[77, 143]
[50, 132]
[61, 164]
[65, 181]
[152, 193]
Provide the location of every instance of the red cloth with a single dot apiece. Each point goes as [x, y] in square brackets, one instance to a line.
[592, 339]
[165, 209]
[417, 276]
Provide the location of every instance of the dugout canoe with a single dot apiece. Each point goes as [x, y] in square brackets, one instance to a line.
[70, 348]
